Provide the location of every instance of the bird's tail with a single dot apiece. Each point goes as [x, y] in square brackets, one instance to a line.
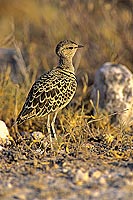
[18, 121]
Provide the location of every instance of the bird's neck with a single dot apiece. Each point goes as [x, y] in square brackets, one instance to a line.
[66, 63]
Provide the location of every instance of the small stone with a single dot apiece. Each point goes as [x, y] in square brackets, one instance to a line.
[96, 194]
[102, 181]
[113, 90]
[96, 174]
[65, 170]
[1, 148]
[9, 185]
[81, 177]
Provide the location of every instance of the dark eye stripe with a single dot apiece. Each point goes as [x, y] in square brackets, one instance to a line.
[70, 47]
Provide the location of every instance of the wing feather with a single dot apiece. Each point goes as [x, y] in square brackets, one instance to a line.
[47, 94]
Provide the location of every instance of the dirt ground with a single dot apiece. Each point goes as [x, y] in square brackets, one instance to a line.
[35, 174]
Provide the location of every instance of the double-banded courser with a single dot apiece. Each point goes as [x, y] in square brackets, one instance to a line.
[53, 90]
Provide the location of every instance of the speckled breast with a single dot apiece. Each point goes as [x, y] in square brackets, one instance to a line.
[57, 91]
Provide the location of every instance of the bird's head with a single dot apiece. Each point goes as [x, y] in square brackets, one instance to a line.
[67, 48]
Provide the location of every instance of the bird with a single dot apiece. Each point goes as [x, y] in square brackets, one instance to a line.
[53, 90]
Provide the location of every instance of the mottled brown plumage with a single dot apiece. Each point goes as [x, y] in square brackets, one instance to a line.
[54, 89]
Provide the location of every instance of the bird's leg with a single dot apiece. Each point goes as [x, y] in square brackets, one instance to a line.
[52, 125]
[49, 128]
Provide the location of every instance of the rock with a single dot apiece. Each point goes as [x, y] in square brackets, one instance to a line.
[102, 181]
[81, 177]
[115, 85]
[37, 135]
[4, 133]
[7, 58]
[97, 174]
[1, 148]
[11, 59]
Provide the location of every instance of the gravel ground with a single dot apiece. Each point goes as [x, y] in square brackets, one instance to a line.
[64, 176]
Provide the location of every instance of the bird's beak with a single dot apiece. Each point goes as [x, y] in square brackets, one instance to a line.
[80, 46]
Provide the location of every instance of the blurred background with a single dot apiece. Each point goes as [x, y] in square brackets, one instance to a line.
[30, 31]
